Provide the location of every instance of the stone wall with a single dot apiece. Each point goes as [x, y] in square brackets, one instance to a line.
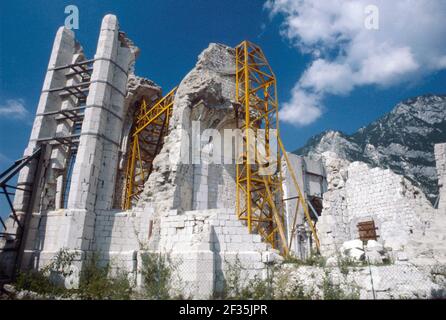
[440, 158]
[204, 243]
[402, 281]
[359, 193]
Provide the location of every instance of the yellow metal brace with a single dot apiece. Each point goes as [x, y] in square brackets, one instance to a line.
[150, 126]
[301, 197]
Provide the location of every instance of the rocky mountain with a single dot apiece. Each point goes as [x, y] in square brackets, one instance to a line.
[402, 140]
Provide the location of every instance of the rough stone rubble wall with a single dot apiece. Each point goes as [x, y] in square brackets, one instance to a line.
[440, 158]
[409, 228]
[332, 225]
[204, 95]
[397, 207]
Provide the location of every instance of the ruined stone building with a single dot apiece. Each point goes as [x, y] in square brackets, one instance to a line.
[83, 128]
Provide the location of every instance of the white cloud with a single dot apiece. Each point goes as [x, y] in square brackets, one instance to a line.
[303, 107]
[409, 42]
[386, 67]
[14, 108]
[323, 76]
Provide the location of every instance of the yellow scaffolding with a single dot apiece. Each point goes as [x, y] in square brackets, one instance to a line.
[259, 195]
[150, 126]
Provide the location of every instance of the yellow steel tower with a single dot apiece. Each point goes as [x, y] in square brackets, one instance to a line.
[259, 196]
[258, 193]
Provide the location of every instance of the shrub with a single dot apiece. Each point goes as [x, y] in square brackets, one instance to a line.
[44, 281]
[277, 284]
[94, 281]
[233, 285]
[96, 284]
[157, 272]
[287, 288]
[37, 281]
[332, 291]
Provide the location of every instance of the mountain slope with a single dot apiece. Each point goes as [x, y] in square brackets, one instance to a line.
[402, 140]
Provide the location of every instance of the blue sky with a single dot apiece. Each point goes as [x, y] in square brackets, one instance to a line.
[171, 34]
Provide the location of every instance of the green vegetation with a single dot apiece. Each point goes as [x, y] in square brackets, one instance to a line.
[47, 281]
[332, 291]
[315, 259]
[157, 274]
[102, 281]
[94, 281]
[280, 284]
[95, 284]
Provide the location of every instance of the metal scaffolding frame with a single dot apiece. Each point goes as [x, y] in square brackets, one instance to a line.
[76, 115]
[5, 187]
[82, 68]
[150, 126]
[259, 196]
[257, 193]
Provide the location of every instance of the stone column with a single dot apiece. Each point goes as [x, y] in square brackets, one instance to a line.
[64, 48]
[35, 176]
[94, 172]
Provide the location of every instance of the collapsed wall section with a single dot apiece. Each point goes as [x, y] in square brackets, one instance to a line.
[357, 193]
[185, 174]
